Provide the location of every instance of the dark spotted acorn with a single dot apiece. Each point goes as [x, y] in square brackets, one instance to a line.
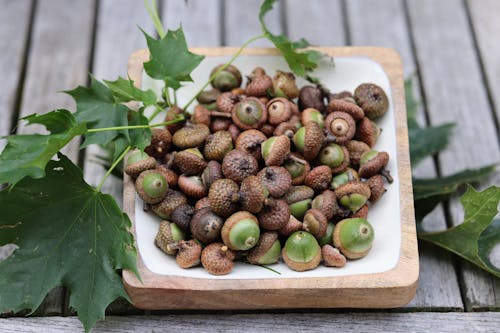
[372, 99]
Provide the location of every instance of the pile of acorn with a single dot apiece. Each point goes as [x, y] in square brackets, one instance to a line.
[252, 175]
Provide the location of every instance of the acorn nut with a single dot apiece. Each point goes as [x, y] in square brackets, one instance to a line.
[205, 226]
[372, 99]
[353, 237]
[168, 233]
[217, 259]
[226, 79]
[301, 251]
[151, 186]
[137, 162]
[241, 231]
[267, 250]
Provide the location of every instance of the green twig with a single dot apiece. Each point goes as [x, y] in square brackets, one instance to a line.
[113, 166]
[224, 67]
[153, 13]
[117, 128]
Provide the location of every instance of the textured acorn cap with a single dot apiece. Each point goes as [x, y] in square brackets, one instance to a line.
[297, 167]
[192, 186]
[217, 259]
[362, 212]
[274, 215]
[276, 150]
[376, 184]
[353, 237]
[237, 165]
[332, 256]
[201, 115]
[182, 216]
[169, 174]
[319, 178]
[190, 136]
[326, 202]
[267, 250]
[218, 145]
[151, 186]
[284, 85]
[259, 83]
[355, 186]
[341, 126]
[315, 223]
[137, 162]
[172, 113]
[224, 197]
[190, 161]
[367, 131]
[165, 208]
[252, 194]
[202, 203]
[276, 180]
[356, 149]
[298, 193]
[226, 101]
[309, 140]
[240, 231]
[211, 173]
[372, 99]
[250, 141]
[168, 233]
[189, 254]
[291, 226]
[206, 226]
[341, 105]
[220, 124]
[161, 140]
[301, 251]
[311, 97]
[372, 162]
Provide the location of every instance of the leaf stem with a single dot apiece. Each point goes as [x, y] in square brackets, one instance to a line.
[116, 128]
[153, 13]
[224, 67]
[113, 166]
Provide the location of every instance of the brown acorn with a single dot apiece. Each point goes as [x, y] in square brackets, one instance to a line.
[137, 162]
[274, 215]
[311, 114]
[190, 161]
[211, 173]
[151, 186]
[376, 184]
[227, 78]
[353, 195]
[279, 110]
[290, 227]
[332, 257]
[362, 212]
[201, 115]
[374, 162]
[192, 186]
[237, 165]
[311, 97]
[298, 168]
[267, 250]
[309, 139]
[165, 208]
[252, 194]
[206, 226]
[367, 131]
[284, 85]
[344, 95]
[249, 113]
[220, 124]
[327, 203]
[276, 180]
[319, 178]
[241, 231]
[170, 175]
[217, 259]
[259, 83]
[315, 223]
[372, 99]
[341, 126]
[182, 216]
[208, 96]
[226, 101]
[356, 149]
[224, 197]
[343, 106]
[172, 113]
[190, 136]
[161, 140]
[168, 233]
[287, 128]
[189, 254]
[218, 145]
[250, 141]
[275, 150]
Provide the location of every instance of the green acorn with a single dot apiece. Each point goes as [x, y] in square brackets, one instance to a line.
[353, 237]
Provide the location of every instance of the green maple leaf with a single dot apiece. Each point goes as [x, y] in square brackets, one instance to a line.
[96, 106]
[170, 59]
[300, 62]
[68, 234]
[125, 91]
[27, 155]
[476, 236]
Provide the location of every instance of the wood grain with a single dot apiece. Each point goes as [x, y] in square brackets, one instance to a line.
[438, 285]
[454, 88]
[389, 289]
[270, 322]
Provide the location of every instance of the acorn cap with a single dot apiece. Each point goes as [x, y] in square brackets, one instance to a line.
[192, 186]
[332, 256]
[356, 149]
[311, 114]
[377, 189]
[249, 113]
[226, 101]
[301, 251]
[161, 140]
[276, 180]
[169, 174]
[182, 216]
[252, 194]
[237, 165]
[190, 136]
[290, 227]
[165, 208]
[298, 193]
[372, 99]
[341, 105]
[275, 150]
[259, 83]
[190, 161]
[201, 115]
[241, 231]
[168, 233]
[319, 178]
[372, 162]
[309, 139]
[151, 186]
[205, 226]
[202, 203]
[367, 131]
[211, 173]
[267, 250]
[172, 113]
[224, 197]
[250, 141]
[220, 124]
[189, 254]
[326, 202]
[137, 162]
[217, 259]
[297, 167]
[274, 215]
[315, 223]
[353, 195]
[341, 126]
[218, 145]
[279, 110]
[353, 237]
[284, 85]
[362, 212]
[311, 97]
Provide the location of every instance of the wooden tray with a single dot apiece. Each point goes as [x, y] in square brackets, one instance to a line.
[392, 288]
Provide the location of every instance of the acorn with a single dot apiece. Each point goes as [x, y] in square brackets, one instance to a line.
[182, 216]
[372, 99]
[190, 161]
[161, 140]
[165, 208]
[290, 227]
[362, 212]
[237, 165]
[297, 167]
[332, 256]
[218, 145]
[315, 223]
[377, 189]
[367, 131]
[137, 162]
[311, 114]
[284, 85]
[190, 136]
[227, 79]
[249, 113]
[328, 237]
[309, 139]
[279, 110]
[224, 197]
[169, 174]
[276, 180]
[327, 203]
[319, 178]
[226, 101]
[241, 231]
[192, 186]
[274, 215]
[353, 237]
[374, 162]
[353, 195]
[334, 156]
[208, 96]
[173, 113]
[267, 250]
[168, 233]
[275, 150]
[342, 178]
[220, 124]
[311, 97]
[287, 128]
[301, 251]
[151, 186]
[250, 141]
[217, 259]
[259, 83]
[205, 226]
[189, 253]
[356, 149]
[299, 199]
[252, 194]
[211, 173]
[341, 126]
[352, 109]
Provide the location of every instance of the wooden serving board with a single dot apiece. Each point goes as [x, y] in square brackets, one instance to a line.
[392, 288]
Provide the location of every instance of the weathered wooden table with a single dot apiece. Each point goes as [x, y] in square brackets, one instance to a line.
[452, 45]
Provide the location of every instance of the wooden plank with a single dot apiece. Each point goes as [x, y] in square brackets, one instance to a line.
[386, 25]
[455, 92]
[325, 19]
[201, 20]
[484, 18]
[15, 18]
[269, 322]
[58, 60]
[241, 22]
